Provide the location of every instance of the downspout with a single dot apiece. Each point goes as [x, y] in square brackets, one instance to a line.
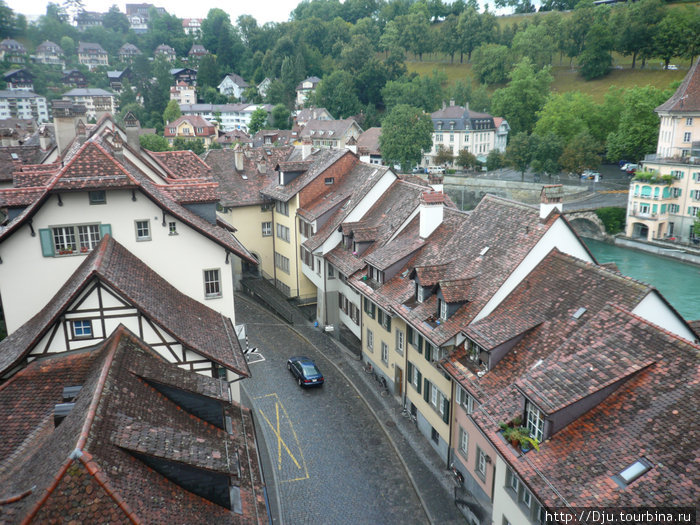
[297, 246]
[449, 424]
[325, 293]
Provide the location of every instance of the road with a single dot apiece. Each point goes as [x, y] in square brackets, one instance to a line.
[330, 460]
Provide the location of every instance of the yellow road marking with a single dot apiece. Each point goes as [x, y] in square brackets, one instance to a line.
[277, 429]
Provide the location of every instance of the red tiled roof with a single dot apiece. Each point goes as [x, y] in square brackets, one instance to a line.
[687, 96]
[178, 314]
[92, 464]
[183, 164]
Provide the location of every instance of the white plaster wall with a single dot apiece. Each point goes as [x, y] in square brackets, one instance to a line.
[503, 503]
[653, 309]
[355, 298]
[28, 280]
[560, 236]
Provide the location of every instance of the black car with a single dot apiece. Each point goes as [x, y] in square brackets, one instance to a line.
[305, 370]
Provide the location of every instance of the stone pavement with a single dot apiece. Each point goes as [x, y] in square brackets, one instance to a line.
[429, 476]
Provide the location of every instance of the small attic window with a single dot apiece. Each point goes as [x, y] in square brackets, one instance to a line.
[329, 180]
[578, 313]
[244, 176]
[634, 471]
[14, 156]
[483, 251]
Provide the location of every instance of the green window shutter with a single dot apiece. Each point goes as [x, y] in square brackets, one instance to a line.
[388, 323]
[46, 242]
[427, 352]
[420, 377]
[409, 334]
[420, 344]
[426, 390]
[445, 410]
[105, 229]
[410, 372]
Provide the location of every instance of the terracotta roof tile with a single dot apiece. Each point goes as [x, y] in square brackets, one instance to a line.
[687, 96]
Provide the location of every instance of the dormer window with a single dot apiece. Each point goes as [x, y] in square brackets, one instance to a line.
[534, 421]
[439, 126]
[419, 293]
[474, 351]
[442, 309]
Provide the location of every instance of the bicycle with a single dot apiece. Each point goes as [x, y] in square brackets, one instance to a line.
[406, 412]
[383, 386]
[457, 475]
[367, 368]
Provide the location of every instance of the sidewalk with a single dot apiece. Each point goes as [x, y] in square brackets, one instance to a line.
[428, 474]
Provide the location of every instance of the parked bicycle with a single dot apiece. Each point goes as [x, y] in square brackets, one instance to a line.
[382, 384]
[457, 475]
[406, 412]
[367, 368]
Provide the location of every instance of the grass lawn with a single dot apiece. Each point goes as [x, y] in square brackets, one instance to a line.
[566, 79]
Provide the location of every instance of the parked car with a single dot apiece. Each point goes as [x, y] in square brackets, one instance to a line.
[436, 170]
[591, 175]
[305, 370]
[630, 167]
[419, 169]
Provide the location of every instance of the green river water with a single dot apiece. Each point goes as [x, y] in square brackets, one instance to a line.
[678, 282]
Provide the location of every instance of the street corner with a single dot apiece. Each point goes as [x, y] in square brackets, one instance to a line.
[286, 454]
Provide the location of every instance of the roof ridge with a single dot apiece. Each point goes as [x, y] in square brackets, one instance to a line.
[654, 326]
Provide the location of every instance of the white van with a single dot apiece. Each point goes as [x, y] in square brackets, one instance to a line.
[436, 170]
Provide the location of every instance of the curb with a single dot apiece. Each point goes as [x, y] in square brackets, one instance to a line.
[367, 404]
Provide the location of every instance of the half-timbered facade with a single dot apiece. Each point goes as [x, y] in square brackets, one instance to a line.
[112, 287]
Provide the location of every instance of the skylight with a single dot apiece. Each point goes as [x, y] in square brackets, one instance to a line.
[578, 313]
[483, 251]
[634, 471]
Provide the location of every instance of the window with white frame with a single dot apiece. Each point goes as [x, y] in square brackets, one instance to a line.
[266, 229]
[385, 353]
[465, 400]
[281, 262]
[463, 443]
[212, 283]
[283, 232]
[689, 121]
[172, 228]
[686, 136]
[64, 238]
[81, 328]
[384, 319]
[434, 397]
[443, 309]
[331, 272]
[282, 207]
[370, 340]
[419, 293]
[98, 197]
[400, 341]
[481, 463]
[143, 230]
[534, 421]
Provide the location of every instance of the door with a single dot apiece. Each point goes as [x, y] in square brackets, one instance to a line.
[398, 382]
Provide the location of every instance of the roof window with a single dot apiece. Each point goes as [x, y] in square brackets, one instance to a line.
[578, 313]
[632, 472]
[483, 251]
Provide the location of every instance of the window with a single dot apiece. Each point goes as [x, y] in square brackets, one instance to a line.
[474, 351]
[634, 471]
[212, 284]
[689, 121]
[98, 197]
[534, 421]
[329, 181]
[434, 436]
[64, 239]
[676, 192]
[463, 442]
[481, 463]
[88, 236]
[370, 340]
[282, 207]
[419, 293]
[82, 328]
[414, 376]
[686, 136]
[674, 208]
[399, 342]
[443, 309]
[281, 262]
[370, 308]
[283, 232]
[434, 400]
[695, 194]
[385, 353]
[172, 228]
[143, 230]
[384, 319]
[465, 400]
[331, 272]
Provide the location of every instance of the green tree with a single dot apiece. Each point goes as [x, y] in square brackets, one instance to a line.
[519, 153]
[595, 60]
[406, 132]
[674, 34]
[216, 22]
[696, 225]
[115, 20]
[466, 159]
[196, 146]
[172, 112]
[566, 115]
[491, 63]
[154, 142]
[258, 119]
[447, 41]
[336, 93]
[581, 153]
[443, 155]
[68, 46]
[281, 117]
[536, 43]
[638, 129]
[546, 151]
[494, 160]
[523, 97]
[634, 26]
[208, 72]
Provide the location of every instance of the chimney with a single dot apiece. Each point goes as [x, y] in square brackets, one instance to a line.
[117, 143]
[44, 138]
[431, 212]
[65, 117]
[550, 199]
[444, 105]
[80, 129]
[238, 158]
[305, 148]
[452, 102]
[132, 127]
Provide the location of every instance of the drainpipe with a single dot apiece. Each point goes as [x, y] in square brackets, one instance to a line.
[274, 259]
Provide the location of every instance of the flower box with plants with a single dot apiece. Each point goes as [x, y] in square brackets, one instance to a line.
[653, 178]
[518, 436]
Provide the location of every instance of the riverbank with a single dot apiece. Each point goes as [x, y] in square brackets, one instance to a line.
[670, 250]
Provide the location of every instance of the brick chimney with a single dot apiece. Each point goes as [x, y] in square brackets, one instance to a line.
[550, 199]
[431, 212]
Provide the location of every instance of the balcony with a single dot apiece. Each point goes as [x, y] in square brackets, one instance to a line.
[645, 215]
[676, 159]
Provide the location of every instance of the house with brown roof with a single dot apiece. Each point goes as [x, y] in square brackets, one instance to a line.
[92, 55]
[305, 89]
[160, 207]
[128, 52]
[49, 53]
[183, 93]
[165, 51]
[97, 101]
[191, 127]
[233, 85]
[114, 433]
[12, 51]
[74, 78]
[19, 79]
[304, 115]
[331, 133]
[368, 146]
[523, 336]
[665, 195]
